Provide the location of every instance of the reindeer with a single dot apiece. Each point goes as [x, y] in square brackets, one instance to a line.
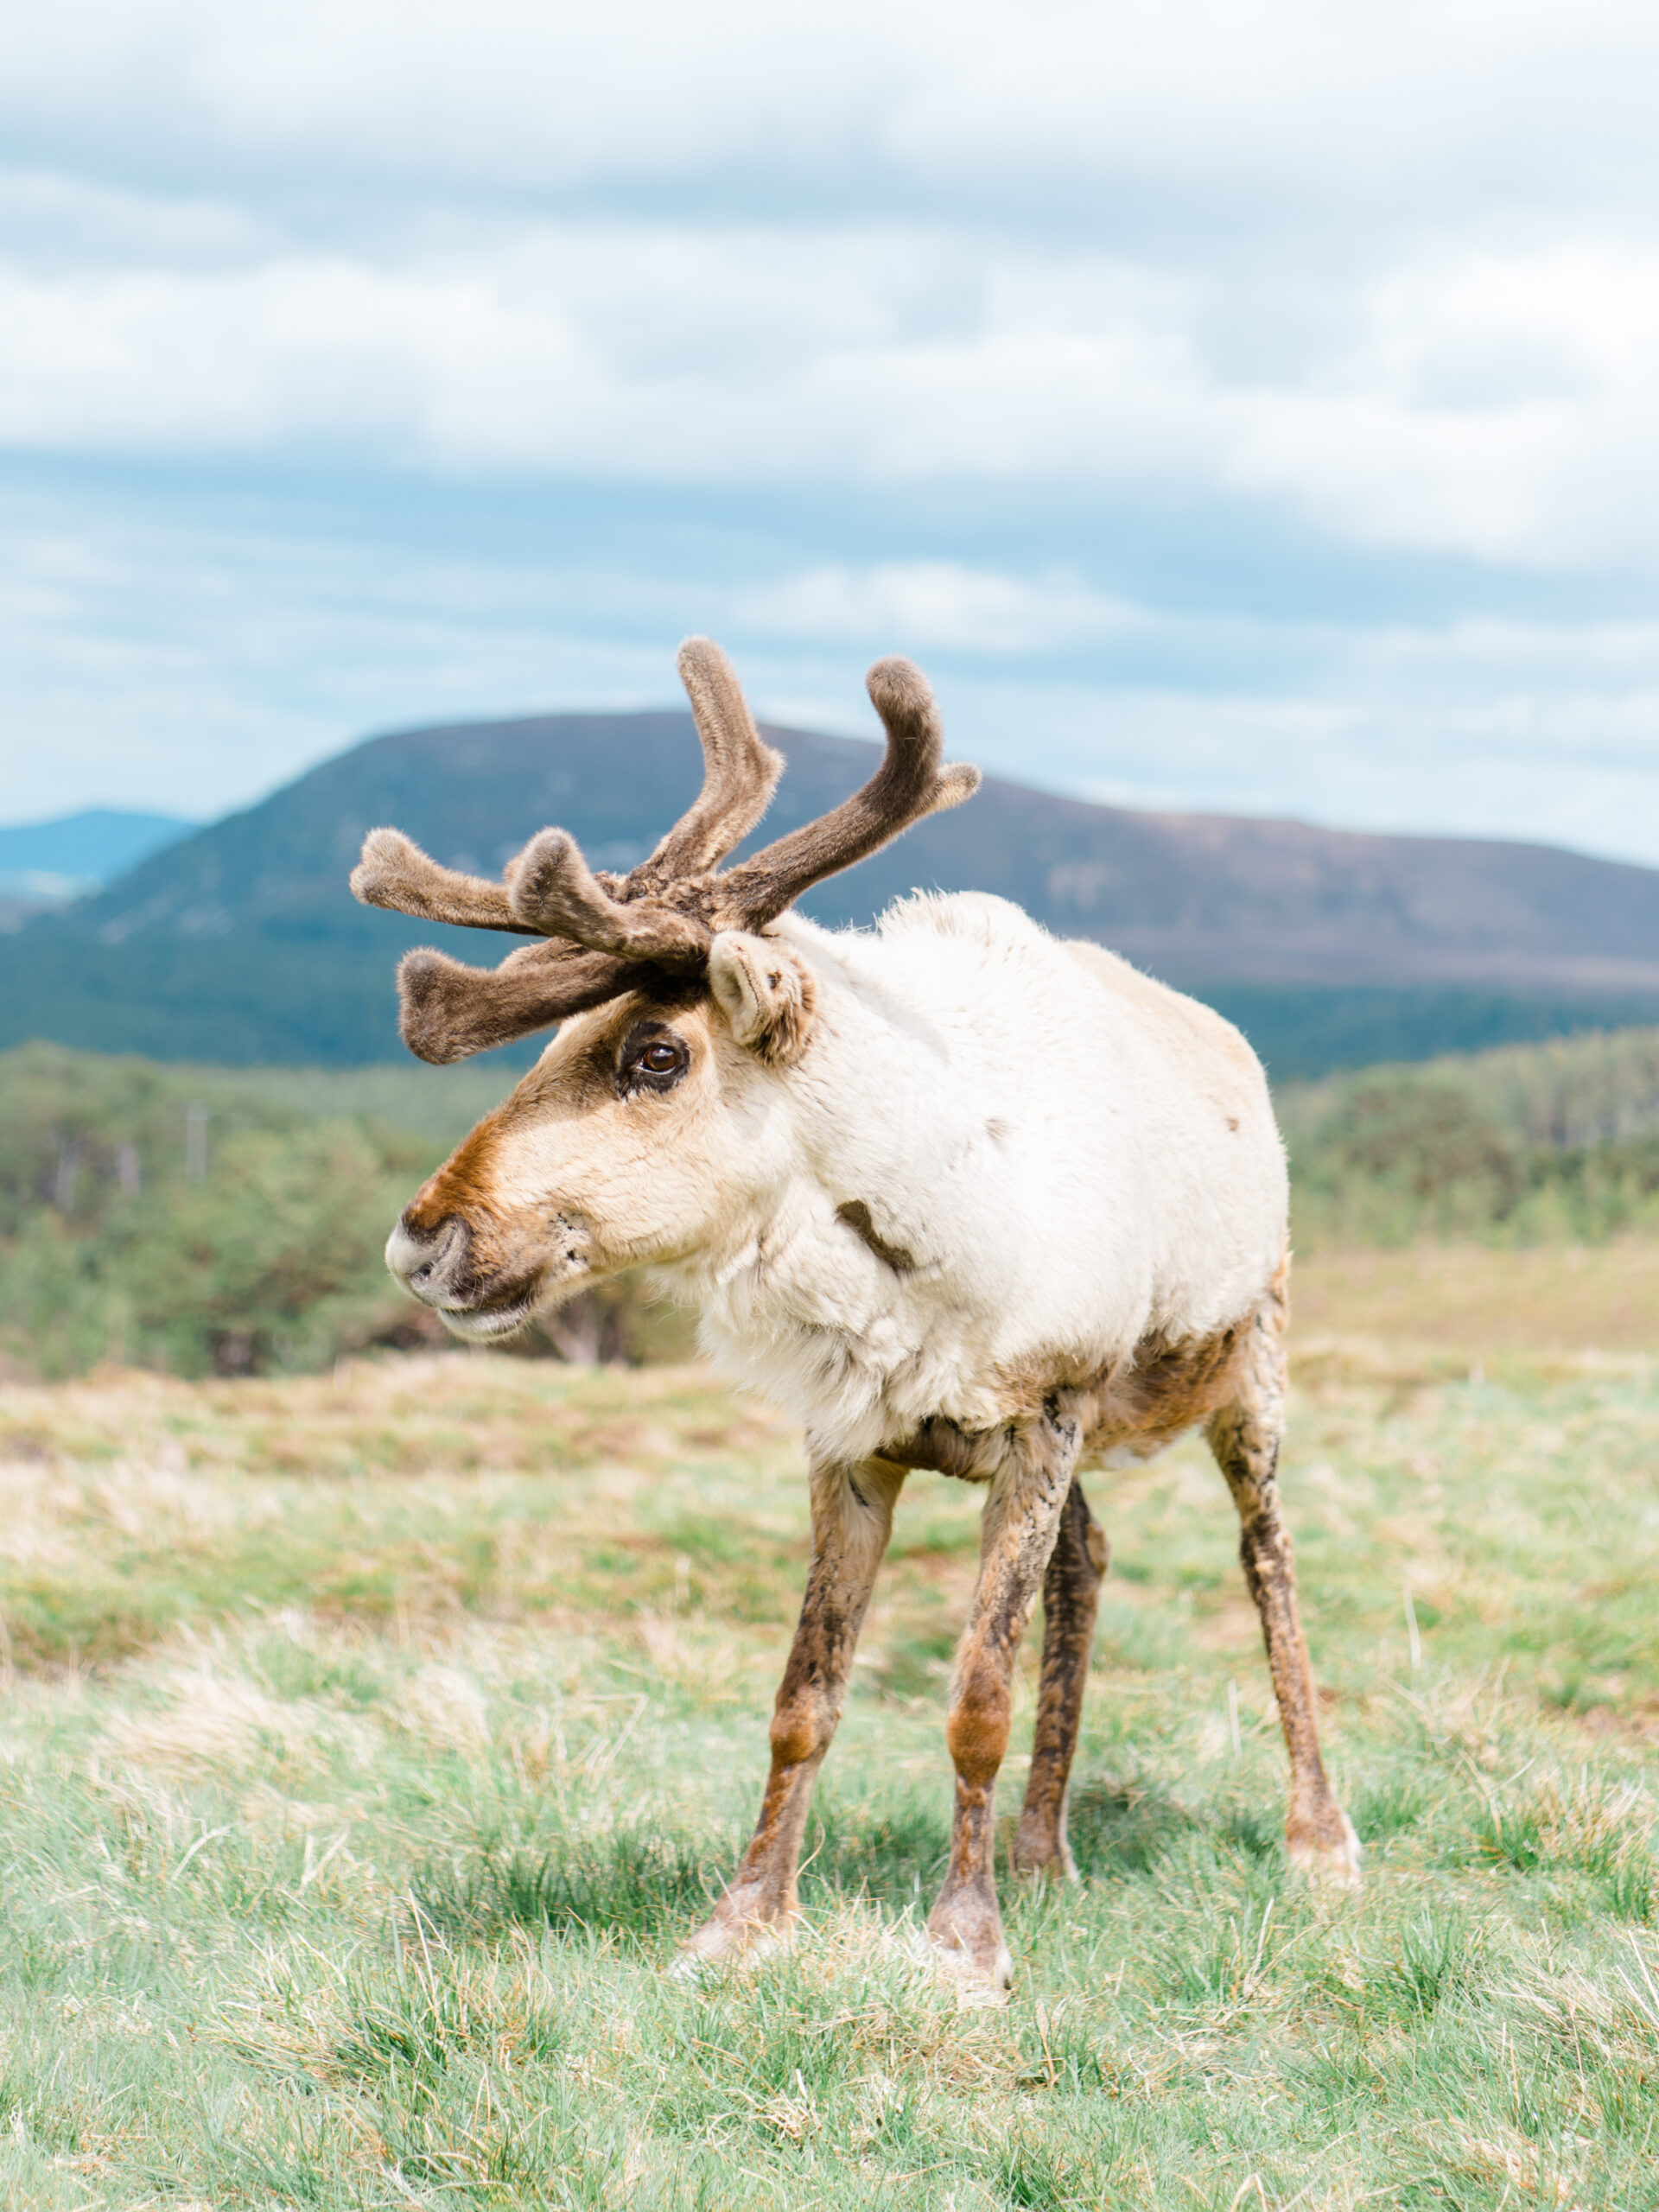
[954, 1194]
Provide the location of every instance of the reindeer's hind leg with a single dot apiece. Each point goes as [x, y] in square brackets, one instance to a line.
[1245, 1438]
[1070, 1599]
[852, 1519]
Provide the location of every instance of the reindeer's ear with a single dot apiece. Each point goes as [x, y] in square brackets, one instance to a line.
[766, 992]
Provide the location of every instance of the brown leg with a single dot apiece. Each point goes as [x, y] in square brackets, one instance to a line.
[1022, 1518]
[1245, 1438]
[852, 1519]
[1070, 1599]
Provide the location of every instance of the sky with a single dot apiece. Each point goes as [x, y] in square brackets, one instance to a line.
[1245, 407]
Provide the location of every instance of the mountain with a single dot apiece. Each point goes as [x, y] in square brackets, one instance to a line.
[241, 943]
[62, 859]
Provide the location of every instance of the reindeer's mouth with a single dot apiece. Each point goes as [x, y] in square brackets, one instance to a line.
[499, 1315]
[506, 1308]
[485, 1328]
[439, 1267]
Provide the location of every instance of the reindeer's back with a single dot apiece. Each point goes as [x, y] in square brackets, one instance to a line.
[1199, 1044]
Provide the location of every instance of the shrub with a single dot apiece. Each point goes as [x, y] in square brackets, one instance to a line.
[182, 1219]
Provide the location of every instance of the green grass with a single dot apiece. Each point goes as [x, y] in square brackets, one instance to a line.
[369, 1745]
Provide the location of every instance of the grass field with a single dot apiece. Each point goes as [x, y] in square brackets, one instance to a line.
[369, 1741]
[1480, 1304]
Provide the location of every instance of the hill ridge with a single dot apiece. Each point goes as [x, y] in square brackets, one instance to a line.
[257, 902]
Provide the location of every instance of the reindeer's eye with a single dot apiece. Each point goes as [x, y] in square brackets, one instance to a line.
[653, 1058]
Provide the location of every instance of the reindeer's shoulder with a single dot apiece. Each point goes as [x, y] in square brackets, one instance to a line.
[976, 918]
[940, 944]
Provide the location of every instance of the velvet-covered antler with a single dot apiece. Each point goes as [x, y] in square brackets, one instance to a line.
[912, 781]
[447, 1011]
[741, 773]
[607, 934]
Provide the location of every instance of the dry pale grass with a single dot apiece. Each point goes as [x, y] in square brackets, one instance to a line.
[452, 1413]
[1473, 1301]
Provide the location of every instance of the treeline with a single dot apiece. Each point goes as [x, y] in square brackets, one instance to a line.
[211, 1222]
[1538, 1144]
[208, 1221]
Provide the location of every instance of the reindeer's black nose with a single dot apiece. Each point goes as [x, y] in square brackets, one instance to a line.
[431, 1263]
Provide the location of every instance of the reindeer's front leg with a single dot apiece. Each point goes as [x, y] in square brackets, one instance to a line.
[852, 1519]
[1022, 1518]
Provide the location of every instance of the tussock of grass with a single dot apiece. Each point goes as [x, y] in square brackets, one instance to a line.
[369, 1746]
[627, 1882]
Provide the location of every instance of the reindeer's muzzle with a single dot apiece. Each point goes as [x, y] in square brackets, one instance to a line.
[430, 1261]
[437, 1265]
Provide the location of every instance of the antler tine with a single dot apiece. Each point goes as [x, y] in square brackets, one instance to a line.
[911, 782]
[663, 915]
[396, 874]
[740, 772]
[447, 1011]
[553, 890]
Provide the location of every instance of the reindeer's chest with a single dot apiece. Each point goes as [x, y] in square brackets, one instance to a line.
[860, 1336]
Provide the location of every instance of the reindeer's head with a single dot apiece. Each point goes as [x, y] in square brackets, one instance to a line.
[643, 1127]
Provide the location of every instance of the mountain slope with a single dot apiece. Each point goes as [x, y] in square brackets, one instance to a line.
[241, 942]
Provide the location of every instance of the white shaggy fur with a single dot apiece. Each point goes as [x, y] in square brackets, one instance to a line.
[1076, 1160]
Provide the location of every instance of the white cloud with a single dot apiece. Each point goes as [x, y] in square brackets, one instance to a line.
[996, 94]
[1292, 252]
[193, 669]
[1380, 282]
[934, 605]
[1499, 405]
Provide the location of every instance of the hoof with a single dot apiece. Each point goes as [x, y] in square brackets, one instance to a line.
[724, 1938]
[1042, 1859]
[964, 1935]
[980, 1984]
[1326, 1851]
